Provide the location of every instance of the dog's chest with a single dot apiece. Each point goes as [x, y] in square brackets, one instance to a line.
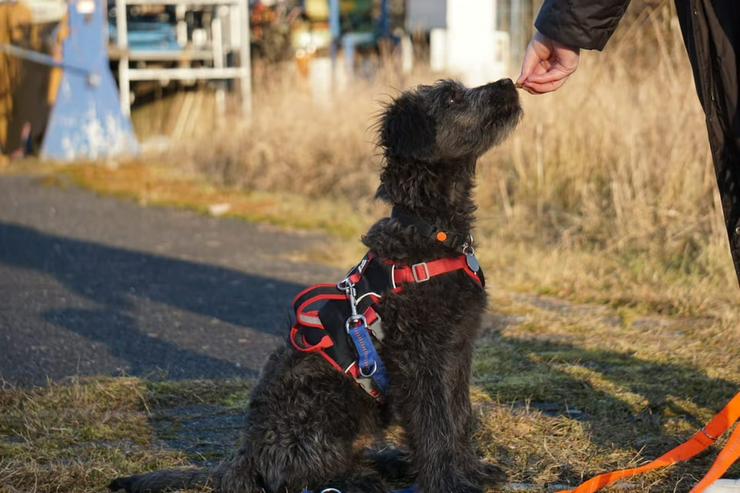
[442, 312]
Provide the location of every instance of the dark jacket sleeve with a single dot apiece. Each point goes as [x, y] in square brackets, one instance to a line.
[584, 24]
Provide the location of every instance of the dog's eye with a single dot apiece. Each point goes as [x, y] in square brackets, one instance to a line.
[455, 98]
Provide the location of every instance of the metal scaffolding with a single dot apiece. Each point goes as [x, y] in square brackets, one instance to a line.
[219, 70]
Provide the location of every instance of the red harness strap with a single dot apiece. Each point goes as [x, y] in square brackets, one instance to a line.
[424, 271]
[308, 333]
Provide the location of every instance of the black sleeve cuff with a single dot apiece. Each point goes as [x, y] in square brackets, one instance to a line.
[580, 24]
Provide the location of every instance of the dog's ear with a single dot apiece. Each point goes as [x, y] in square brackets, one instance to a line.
[406, 130]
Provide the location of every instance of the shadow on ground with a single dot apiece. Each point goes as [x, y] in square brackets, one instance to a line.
[625, 402]
[628, 402]
[647, 408]
[119, 284]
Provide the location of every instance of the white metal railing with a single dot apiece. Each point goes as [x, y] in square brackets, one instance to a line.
[242, 72]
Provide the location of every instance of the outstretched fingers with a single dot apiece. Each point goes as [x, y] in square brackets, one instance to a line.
[529, 65]
[547, 65]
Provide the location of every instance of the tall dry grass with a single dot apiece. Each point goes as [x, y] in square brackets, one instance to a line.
[617, 159]
[606, 189]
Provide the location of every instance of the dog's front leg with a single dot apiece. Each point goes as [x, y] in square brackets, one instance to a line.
[475, 470]
[459, 384]
[426, 414]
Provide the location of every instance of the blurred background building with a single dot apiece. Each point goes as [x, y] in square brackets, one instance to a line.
[71, 70]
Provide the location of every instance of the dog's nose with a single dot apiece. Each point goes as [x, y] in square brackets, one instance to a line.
[504, 83]
[499, 85]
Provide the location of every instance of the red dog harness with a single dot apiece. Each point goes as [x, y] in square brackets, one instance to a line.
[340, 321]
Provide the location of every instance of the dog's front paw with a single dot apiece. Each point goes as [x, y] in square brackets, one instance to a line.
[392, 464]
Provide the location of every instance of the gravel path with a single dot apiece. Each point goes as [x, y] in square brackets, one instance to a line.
[92, 286]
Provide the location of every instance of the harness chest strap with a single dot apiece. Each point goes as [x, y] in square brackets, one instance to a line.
[319, 314]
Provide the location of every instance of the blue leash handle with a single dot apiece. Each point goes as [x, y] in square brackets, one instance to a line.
[369, 361]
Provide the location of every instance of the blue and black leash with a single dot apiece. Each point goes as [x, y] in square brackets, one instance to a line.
[369, 361]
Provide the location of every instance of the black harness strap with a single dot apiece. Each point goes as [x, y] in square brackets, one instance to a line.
[323, 322]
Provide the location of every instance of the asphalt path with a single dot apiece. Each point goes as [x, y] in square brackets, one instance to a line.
[97, 286]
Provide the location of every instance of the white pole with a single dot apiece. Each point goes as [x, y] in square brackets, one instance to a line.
[122, 43]
[218, 55]
[245, 59]
[517, 32]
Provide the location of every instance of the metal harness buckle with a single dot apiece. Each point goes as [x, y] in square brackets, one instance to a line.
[425, 271]
[370, 373]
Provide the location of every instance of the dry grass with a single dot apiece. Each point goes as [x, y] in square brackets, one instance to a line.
[75, 437]
[605, 192]
[609, 184]
[166, 186]
[579, 389]
[563, 392]
[604, 196]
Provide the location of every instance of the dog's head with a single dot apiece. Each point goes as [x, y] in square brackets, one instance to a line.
[447, 121]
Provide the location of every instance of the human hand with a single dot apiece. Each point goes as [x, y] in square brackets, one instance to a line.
[547, 65]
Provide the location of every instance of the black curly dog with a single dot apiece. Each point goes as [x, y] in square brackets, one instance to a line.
[305, 417]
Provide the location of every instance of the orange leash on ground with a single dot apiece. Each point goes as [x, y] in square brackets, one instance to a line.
[695, 445]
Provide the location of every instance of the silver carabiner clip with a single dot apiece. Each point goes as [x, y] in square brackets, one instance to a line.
[349, 289]
[344, 284]
[467, 247]
[352, 322]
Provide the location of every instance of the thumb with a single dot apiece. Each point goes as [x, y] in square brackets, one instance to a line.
[531, 59]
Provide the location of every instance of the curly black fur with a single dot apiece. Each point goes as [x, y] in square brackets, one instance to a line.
[304, 417]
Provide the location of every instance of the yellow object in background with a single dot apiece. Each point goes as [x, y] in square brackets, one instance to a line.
[27, 89]
[15, 20]
[55, 77]
[317, 10]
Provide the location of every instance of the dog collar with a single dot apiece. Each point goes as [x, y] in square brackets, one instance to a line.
[452, 239]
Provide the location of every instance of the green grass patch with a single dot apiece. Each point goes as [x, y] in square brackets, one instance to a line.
[170, 393]
[168, 187]
[78, 435]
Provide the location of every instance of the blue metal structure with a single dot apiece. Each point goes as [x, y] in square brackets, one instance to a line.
[86, 120]
[148, 36]
[349, 41]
